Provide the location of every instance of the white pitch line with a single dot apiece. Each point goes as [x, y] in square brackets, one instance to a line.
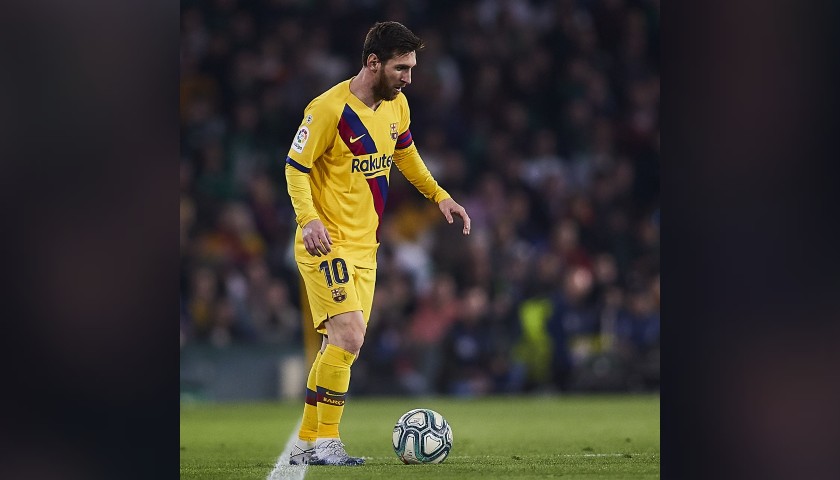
[282, 470]
[594, 455]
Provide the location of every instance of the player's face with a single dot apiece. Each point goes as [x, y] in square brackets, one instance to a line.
[394, 75]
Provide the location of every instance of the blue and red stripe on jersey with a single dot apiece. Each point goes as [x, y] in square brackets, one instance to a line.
[350, 127]
[404, 140]
[379, 191]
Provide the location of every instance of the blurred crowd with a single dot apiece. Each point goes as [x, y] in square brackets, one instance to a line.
[540, 117]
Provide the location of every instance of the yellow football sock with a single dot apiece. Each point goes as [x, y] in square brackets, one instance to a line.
[332, 381]
[309, 424]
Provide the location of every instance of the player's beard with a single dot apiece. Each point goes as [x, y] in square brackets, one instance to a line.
[383, 90]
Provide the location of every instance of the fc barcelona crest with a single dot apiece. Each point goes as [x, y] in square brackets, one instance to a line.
[394, 133]
[339, 295]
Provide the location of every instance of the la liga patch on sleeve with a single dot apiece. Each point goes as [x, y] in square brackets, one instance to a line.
[301, 137]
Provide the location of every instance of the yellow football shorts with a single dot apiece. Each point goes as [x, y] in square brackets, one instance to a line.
[334, 286]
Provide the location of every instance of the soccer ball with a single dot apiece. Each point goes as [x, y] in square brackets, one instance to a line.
[422, 436]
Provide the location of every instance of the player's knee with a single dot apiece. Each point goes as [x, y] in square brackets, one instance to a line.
[354, 342]
[349, 341]
[353, 338]
[347, 332]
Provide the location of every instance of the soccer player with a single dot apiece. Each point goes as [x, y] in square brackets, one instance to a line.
[337, 172]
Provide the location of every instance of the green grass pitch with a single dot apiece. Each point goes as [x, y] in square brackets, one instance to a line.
[568, 436]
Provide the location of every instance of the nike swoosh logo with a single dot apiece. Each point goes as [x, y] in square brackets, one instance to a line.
[332, 394]
[356, 139]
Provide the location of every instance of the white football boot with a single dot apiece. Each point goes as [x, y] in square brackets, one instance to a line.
[330, 451]
[301, 452]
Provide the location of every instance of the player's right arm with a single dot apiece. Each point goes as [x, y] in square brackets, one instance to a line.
[310, 142]
[316, 238]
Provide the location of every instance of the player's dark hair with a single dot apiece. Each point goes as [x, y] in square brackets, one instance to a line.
[388, 40]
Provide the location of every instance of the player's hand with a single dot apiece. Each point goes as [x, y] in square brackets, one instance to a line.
[448, 207]
[316, 238]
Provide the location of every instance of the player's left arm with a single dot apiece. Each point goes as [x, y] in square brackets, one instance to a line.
[408, 160]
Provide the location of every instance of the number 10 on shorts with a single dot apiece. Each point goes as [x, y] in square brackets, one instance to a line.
[338, 272]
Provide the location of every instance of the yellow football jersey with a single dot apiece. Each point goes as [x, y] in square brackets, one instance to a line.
[346, 150]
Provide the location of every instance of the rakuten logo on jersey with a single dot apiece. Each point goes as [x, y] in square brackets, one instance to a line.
[371, 164]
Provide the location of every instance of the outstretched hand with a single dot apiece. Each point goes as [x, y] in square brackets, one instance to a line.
[316, 238]
[448, 207]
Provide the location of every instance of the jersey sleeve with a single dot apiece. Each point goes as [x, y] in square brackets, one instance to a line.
[300, 193]
[316, 133]
[408, 160]
[313, 137]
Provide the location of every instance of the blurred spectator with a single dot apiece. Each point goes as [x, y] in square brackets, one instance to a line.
[234, 241]
[468, 349]
[536, 353]
[637, 337]
[573, 323]
[274, 317]
[436, 312]
[204, 293]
